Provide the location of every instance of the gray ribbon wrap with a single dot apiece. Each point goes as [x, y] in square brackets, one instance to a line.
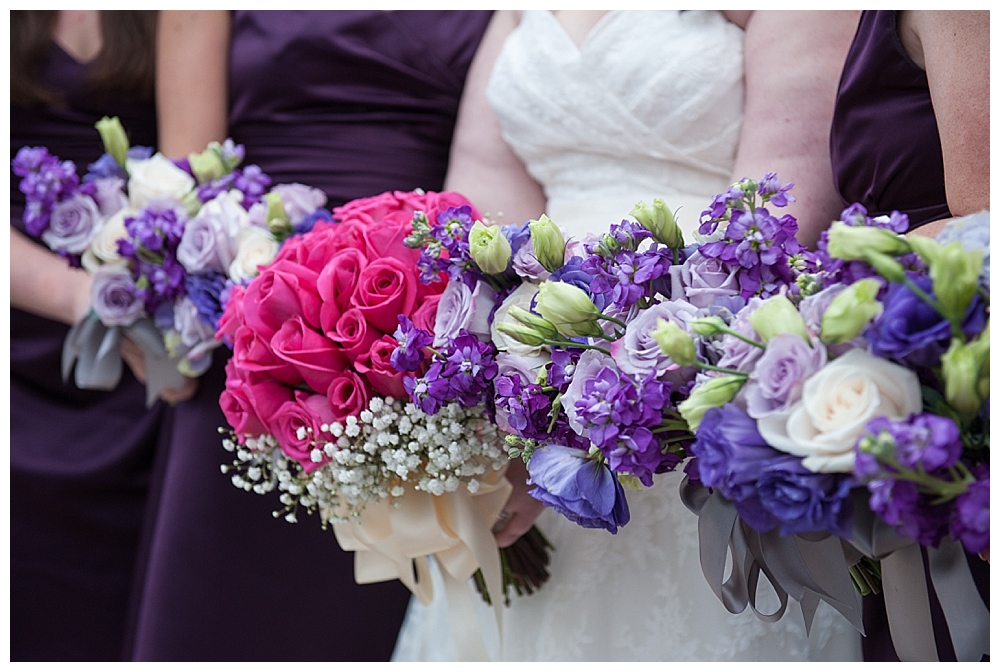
[94, 350]
[907, 603]
[809, 568]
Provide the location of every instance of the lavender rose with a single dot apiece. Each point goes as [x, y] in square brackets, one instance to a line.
[196, 335]
[703, 281]
[109, 194]
[639, 353]
[114, 297]
[210, 239]
[299, 200]
[776, 382]
[737, 353]
[463, 308]
[72, 224]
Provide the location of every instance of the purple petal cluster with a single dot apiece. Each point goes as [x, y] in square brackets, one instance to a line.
[769, 488]
[206, 293]
[462, 372]
[153, 237]
[620, 415]
[451, 252]
[45, 181]
[970, 519]
[251, 181]
[579, 486]
[409, 354]
[621, 272]
[836, 270]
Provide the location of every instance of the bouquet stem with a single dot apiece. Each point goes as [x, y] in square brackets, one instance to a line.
[867, 576]
[523, 564]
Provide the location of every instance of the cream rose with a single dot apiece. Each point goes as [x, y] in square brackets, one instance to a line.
[155, 177]
[103, 248]
[256, 247]
[837, 402]
[520, 297]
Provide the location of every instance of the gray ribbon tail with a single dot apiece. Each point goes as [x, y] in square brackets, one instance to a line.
[161, 369]
[93, 349]
[968, 618]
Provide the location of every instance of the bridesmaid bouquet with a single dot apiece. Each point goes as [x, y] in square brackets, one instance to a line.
[165, 241]
[322, 395]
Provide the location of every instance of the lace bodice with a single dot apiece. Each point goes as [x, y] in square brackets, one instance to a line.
[650, 104]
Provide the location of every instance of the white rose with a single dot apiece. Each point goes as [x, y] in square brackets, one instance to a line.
[104, 246]
[520, 297]
[257, 247]
[837, 402]
[155, 177]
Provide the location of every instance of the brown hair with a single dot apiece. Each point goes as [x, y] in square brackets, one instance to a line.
[125, 64]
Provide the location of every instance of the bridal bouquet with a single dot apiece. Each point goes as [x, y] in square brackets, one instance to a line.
[165, 241]
[322, 395]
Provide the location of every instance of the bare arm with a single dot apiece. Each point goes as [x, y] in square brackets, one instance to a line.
[954, 49]
[482, 166]
[192, 63]
[793, 62]
[43, 284]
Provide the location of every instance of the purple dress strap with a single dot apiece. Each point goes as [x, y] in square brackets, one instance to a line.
[353, 103]
[80, 460]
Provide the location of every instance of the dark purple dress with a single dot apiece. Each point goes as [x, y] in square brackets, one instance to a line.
[80, 460]
[886, 155]
[354, 103]
[884, 141]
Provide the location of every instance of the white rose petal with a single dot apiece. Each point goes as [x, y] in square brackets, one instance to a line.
[257, 247]
[837, 403]
[155, 177]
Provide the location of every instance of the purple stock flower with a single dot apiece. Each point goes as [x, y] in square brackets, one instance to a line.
[911, 331]
[253, 182]
[771, 189]
[970, 519]
[578, 486]
[409, 354]
[469, 368]
[429, 392]
[900, 504]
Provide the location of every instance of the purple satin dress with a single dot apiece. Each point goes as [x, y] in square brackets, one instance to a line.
[80, 460]
[886, 155]
[354, 103]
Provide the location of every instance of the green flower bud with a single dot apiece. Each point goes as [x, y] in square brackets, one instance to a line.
[548, 242]
[954, 273]
[886, 266]
[207, 165]
[521, 333]
[114, 138]
[777, 315]
[856, 242]
[569, 309]
[708, 326]
[715, 392]
[660, 221]
[277, 218]
[542, 326]
[191, 203]
[850, 311]
[964, 367]
[675, 342]
[631, 482]
[489, 248]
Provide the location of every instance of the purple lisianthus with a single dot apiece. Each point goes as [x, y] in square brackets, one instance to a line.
[703, 281]
[72, 224]
[804, 501]
[206, 293]
[578, 486]
[911, 331]
[776, 381]
[306, 224]
[105, 167]
[409, 354]
[970, 519]
[114, 297]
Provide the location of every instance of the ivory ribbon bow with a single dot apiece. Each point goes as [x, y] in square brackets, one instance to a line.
[392, 540]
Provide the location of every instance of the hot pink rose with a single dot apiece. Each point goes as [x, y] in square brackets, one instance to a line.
[348, 394]
[354, 335]
[372, 208]
[337, 282]
[281, 291]
[378, 370]
[314, 356]
[385, 238]
[437, 202]
[252, 354]
[232, 316]
[309, 412]
[426, 313]
[248, 406]
[386, 288]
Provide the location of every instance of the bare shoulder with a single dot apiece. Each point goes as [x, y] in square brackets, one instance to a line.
[740, 17]
[931, 33]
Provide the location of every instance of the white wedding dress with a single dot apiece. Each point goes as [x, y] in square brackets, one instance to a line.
[650, 106]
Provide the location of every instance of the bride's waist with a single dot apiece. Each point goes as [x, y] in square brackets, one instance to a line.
[595, 212]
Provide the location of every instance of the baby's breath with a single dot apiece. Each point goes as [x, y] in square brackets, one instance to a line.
[371, 457]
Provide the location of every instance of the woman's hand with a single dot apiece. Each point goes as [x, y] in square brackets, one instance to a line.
[521, 510]
[136, 361]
